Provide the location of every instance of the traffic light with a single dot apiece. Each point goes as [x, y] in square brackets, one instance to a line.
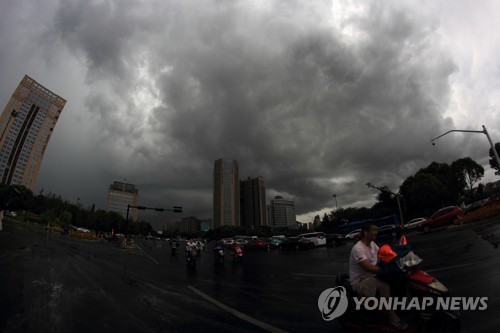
[177, 209]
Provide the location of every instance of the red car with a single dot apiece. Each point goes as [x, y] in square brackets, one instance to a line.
[444, 216]
[257, 244]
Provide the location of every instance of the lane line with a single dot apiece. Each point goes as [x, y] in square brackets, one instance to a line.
[147, 255]
[238, 314]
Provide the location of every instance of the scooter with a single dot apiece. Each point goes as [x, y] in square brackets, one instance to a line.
[414, 283]
[173, 248]
[237, 252]
[191, 256]
[219, 254]
[199, 248]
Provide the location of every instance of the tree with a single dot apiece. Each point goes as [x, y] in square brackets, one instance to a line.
[424, 193]
[493, 162]
[468, 171]
[386, 201]
[326, 224]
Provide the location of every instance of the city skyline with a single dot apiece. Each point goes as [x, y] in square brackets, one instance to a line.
[317, 97]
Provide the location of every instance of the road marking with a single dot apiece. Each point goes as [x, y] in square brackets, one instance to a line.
[453, 267]
[315, 275]
[147, 255]
[238, 314]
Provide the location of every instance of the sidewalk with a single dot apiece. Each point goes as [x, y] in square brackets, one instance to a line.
[476, 224]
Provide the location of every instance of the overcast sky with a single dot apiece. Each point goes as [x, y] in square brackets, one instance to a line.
[317, 97]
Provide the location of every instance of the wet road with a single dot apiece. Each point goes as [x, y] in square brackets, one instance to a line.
[54, 283]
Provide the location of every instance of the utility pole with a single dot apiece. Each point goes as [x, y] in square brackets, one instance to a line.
[397, 195]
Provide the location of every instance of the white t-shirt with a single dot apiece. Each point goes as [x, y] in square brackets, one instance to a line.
[359, 253]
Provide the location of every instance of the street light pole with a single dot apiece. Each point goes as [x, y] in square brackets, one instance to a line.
[335, 197]
[484, 131]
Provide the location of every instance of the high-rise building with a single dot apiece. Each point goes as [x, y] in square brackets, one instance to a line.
[226, 195]
[189, 224]
[282, 213]
[26, 125]
[119, 196]
[253, 202]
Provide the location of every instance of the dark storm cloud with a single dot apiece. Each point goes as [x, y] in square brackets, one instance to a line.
[316, 103]
[290, 99]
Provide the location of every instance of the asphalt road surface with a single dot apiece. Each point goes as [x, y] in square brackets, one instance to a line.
[55, 283]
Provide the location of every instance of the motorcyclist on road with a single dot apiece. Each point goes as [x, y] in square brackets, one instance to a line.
[236, 250]
[189, 246]
[219, 250]
[199, 246]
[173, 245]
[219, 245]
[363, 269]
[191, 250]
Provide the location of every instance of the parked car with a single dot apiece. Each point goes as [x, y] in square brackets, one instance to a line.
[334, 239]
[295, 244]
[257, 244]
[442, 217]
[353, 235]
[241, 241]
[475, 206]
[384, 232]
[413, 224]
[317, 238]
[275, 242]
[389, 231]
[228, 242]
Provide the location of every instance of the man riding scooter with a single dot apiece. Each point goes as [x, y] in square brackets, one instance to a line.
[236, 251]
[173, 246]
[363, 269]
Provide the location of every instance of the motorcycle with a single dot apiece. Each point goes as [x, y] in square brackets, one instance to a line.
[237, 252]
[219, 254]
[173, 247]
[191, 256]
[199, 247]
[412, 282]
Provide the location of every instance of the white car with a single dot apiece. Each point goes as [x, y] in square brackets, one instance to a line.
[242, 241]
[353, 234]
[413, 224]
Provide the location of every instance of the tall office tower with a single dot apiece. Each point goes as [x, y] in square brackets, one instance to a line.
[189, 224]
[253, 202]
[282, 213]
[26, 125]
[120, 195]
[226, 195]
